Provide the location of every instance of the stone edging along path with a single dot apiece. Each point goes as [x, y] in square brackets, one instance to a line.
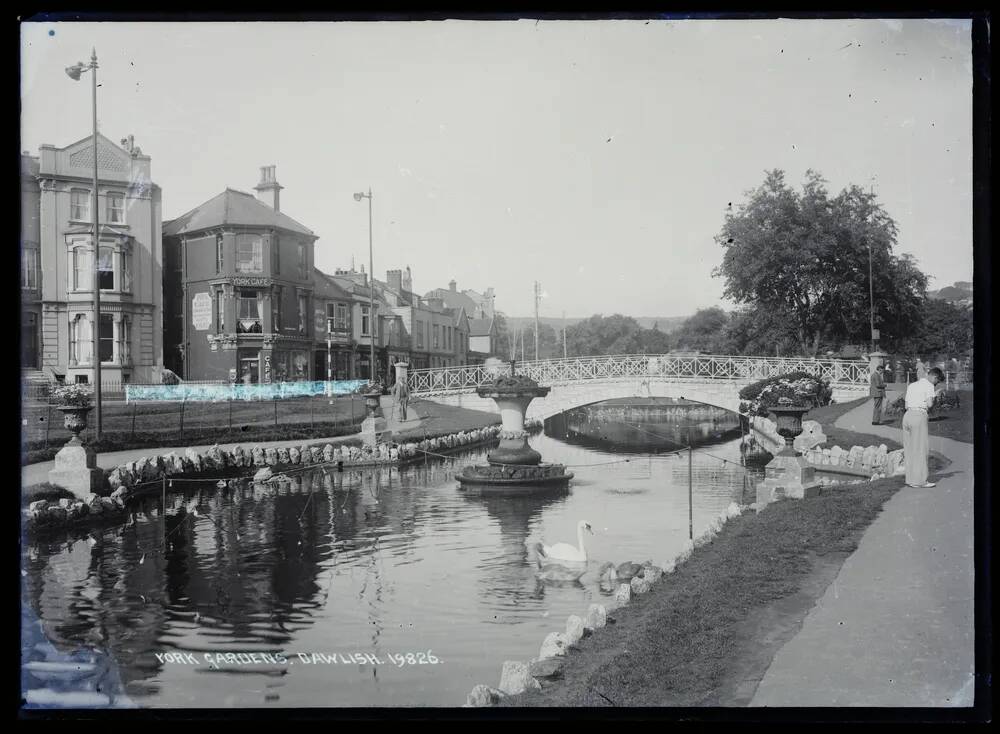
[145, 475]
[517, 677]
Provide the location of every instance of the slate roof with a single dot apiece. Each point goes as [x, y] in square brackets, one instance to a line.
[324, 286]
[232, 207]
[480, 327]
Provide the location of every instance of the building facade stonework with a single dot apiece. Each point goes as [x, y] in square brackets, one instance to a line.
[57, 265]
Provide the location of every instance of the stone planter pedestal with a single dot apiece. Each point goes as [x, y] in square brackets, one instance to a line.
[374, 426]
[76, 464]
[788, 474]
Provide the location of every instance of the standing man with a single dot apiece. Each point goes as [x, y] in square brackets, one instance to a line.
[877, 391]
[919, 399]
[402, 395]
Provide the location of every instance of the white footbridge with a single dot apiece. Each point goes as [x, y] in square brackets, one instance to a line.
[710, 379]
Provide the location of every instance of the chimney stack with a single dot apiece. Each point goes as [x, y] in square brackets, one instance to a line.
[394, 279]
[269, 190]
[453, 285]
[407, 280]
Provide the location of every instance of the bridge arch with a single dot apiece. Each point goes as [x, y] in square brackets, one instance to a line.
[713, 380]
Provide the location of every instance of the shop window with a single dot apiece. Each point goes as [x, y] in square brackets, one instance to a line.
[248, 312]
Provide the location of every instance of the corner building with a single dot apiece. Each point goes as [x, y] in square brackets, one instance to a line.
[238, 280]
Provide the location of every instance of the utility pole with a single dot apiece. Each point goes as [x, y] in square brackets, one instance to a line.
[871, 284]
[536, 320]
[564, 335]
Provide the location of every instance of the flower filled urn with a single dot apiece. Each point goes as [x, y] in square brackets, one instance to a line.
[75, 420]
[788, 420]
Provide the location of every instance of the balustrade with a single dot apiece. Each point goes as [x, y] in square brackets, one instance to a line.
[667, 367]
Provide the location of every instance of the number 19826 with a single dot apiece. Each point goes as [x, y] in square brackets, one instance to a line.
[411, 658]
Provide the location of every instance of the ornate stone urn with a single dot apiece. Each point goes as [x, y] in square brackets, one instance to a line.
[788, 419]
[514, 464]
[75, 421]
[788, 474]
[372, 402]
[76, 464]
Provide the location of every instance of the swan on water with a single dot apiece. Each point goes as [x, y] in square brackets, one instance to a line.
[564, 552]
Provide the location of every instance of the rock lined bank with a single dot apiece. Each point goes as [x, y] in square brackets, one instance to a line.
[125, 482]
[516, 677]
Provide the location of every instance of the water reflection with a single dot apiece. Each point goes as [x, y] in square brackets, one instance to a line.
[642, 425]
[377, 561]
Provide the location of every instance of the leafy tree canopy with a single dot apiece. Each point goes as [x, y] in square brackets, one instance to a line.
[802, 257]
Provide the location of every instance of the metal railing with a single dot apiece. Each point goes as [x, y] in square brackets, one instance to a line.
[667, 367]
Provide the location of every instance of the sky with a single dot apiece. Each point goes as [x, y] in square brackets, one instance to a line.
[596, 157]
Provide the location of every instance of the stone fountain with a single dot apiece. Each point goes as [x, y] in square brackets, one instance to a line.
[514, 464]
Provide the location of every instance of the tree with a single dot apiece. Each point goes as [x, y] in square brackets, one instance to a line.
[758, 333]
[944, 329]
[549, 343]
[615, 334]
[705, 331]
[503, 337]
[803, 258]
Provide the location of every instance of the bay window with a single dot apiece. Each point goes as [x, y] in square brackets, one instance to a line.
[248, 312]
[249, 254]
[106, 338]
[106, 269]
[365, 320]
[302, 314]
[83, 274]
[276, 297]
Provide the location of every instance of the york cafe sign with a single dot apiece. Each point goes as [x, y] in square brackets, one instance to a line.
[250, 282]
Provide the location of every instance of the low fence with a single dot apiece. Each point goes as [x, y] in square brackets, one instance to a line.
[221, 392]
[42, 421]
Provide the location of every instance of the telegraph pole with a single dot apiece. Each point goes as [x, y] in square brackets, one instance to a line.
[564, 335]
[536, 320]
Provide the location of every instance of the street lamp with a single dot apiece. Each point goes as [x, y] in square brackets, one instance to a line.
[74, 73]
[371, 285]
[871, 282]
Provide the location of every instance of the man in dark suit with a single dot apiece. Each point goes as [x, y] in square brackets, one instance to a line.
[877, 391]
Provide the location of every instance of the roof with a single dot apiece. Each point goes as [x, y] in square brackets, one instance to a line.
[480, 327]
[324, 286]
[232, 207]
[453, 299]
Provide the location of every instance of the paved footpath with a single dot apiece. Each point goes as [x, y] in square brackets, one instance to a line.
[895, 628]
[38, 473]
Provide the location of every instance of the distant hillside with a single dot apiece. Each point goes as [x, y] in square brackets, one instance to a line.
[959, 292]
[665, 324]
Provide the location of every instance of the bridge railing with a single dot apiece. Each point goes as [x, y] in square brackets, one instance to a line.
[446, 380]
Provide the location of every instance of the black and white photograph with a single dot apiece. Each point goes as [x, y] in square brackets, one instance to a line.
[483, 364]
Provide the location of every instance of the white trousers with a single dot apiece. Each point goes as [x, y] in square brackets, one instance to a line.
[915, 446]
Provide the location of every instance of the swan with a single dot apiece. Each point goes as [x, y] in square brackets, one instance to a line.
[564, 552]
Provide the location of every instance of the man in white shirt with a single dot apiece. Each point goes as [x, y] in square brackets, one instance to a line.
[919, 399]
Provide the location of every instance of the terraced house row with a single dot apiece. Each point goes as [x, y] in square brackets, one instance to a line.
[228, 291]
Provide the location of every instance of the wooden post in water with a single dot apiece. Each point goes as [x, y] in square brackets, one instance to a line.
[690, 491]
[163, 514]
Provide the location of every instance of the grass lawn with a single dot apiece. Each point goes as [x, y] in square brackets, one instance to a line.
[705, 635]
[955, 424]
[440, 420]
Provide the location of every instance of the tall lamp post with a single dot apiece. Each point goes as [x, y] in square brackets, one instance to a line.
[74, 73]
[371, 285]
[871, 282]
